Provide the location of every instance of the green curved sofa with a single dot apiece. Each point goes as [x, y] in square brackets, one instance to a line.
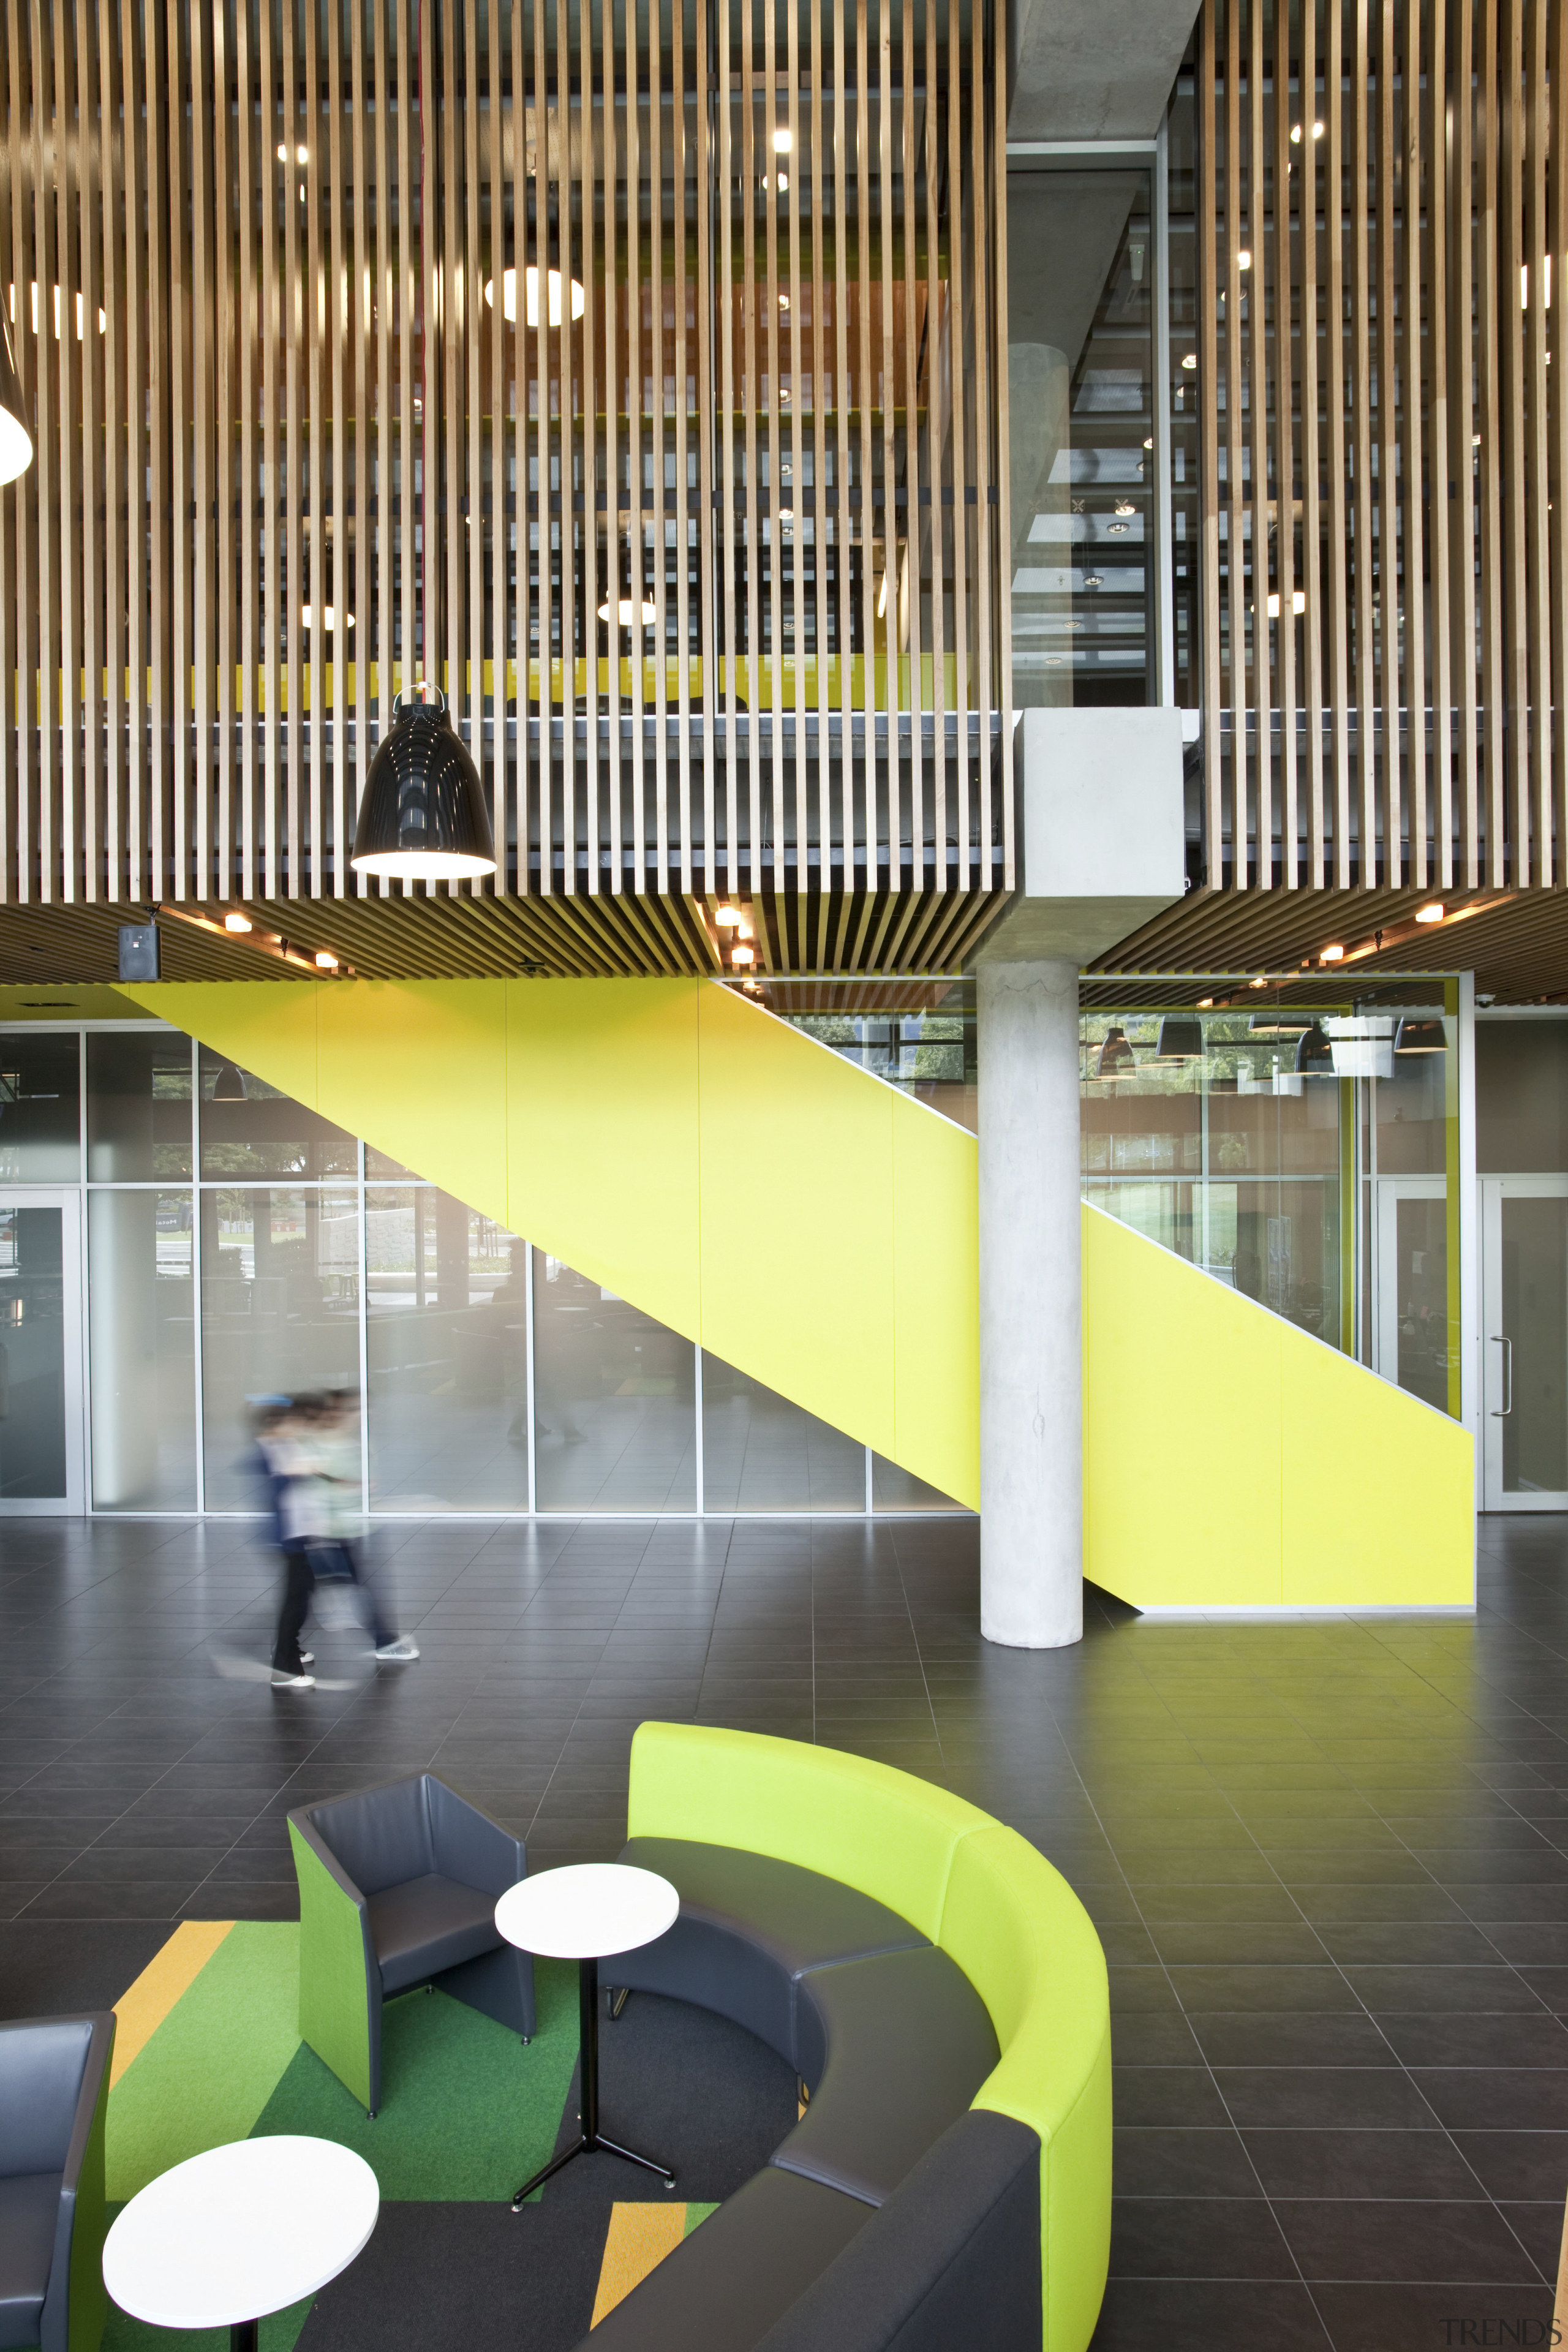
[978, 1891]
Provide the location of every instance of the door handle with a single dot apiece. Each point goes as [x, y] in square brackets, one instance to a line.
[1501, 1339]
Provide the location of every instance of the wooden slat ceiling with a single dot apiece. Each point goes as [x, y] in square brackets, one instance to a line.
[646, 403]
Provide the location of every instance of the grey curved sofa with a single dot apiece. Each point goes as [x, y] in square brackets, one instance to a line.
[948, 2184]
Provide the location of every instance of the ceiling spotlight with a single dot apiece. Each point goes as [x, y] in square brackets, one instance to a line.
[1205, 1004]
[301, 154]
[325, 961]
[1189, 359]
[237, 923]
[1334, 954]
[1093, 580]
[783, 140]
[728, 917]
[782, 181]
[1125, 507]
[743, 958]
[783, 301]
[1244, 259]
[1431, 912]
[627, 612]
[553, 297]
[329, 617]
[1260, 983]
[1116, 531]
[1298, 602]
[1150, 442]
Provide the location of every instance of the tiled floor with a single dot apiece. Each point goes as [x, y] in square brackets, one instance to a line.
[1329, 1860]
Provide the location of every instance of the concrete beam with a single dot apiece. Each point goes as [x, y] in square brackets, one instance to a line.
[1095, 69]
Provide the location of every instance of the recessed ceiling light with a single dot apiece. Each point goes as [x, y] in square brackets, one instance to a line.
[1244, 259]
[1189, 359]
[1432, 913]
[236, 923]
[783, 140]
[1334, 954]
[325, 961]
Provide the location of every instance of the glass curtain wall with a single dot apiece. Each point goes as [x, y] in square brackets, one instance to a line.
[239, 1245]
[1304, 1155]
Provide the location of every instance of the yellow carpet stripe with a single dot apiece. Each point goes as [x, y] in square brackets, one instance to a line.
[172, 1971]
[638, 2240]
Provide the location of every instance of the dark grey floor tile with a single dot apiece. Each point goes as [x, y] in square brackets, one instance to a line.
[1208, 2315]
[1175, 2161]
[1303, 2038]
[1401, 2242]
[1495, 2040]
[1325, 2098]
[1166, 2094]
[1513, 2098]
[1522, 2165]
[1196, 2237]
[1349, 2164]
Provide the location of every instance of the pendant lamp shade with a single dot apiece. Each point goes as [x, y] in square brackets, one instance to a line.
[1181, 1039]
[1116, 1058]
[1422, 1034]
[422, 817]
[1314, 1054]
[229, 1085]
[15, 433]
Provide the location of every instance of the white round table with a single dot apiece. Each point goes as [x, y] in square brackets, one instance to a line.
[228, 2236]
[583, 1912]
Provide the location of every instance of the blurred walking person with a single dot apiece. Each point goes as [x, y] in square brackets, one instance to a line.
[331, 1443]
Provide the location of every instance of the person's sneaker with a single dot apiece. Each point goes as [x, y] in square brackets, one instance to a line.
[293, 1682]
[400, 1651]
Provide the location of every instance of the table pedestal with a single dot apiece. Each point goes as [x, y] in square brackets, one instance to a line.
[590, 2137]
[245, 2336]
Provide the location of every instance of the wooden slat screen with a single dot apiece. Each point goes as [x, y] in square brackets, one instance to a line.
[646, 403]
[1376, 448]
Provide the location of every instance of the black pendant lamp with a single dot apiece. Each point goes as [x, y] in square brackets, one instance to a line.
[1116, 1059]
[229, 1084]
[16, 432]
[1181, 1039]
[1421, 1034]
[1314, 1053]
[423, 816]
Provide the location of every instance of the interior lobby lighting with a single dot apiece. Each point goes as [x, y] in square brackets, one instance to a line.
[783, 140]
[1420, 1034]
[1116, 1058]
[1281, 1022]
[553, 295]
[1181, 1039]
[728, 917]
[1298, 602]
[627, 612]
[1189, 359]
[1431, 912]
[236, 923]
[301, 154]
[1545, 282]
[742, 957]
[783, 183]
[1333, 954]
[1260, 983]
[1244, 259]
[1125, 507]
[329, 617]
[1206, 1003]
[325, 961]
[16, 434]
[422, 816]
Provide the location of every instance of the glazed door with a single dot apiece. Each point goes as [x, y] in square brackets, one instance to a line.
[1524, 1329]
[41, 1448]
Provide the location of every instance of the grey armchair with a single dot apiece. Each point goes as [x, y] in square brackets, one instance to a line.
[397, 1889]
[54, 2089]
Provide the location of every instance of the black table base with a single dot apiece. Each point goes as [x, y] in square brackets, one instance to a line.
[590, 2137]
[245, 2336]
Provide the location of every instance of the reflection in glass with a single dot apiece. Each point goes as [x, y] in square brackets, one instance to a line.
[1534, 1237]
[615, 1400]
[1421, 1278]
[447, 1293]
[1080, 379]
[928, 1055]
[760, 1452]
[138, 1107]
[249, 1129]
[142, 1348]
[40, 1110]
[1522, 1097]
[893, 1489]
[33, 1464]
[1225, 1156]
[280, 1312]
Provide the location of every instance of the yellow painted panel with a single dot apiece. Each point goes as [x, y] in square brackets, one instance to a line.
[1234, 1461]
[936, 1300]
[418, 1069]
[796, 1230]
[1181, 1429]
[1379, 1490]
[603, 1156]
[268, 1027]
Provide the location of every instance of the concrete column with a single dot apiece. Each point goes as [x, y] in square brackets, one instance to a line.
[1031, 1305]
